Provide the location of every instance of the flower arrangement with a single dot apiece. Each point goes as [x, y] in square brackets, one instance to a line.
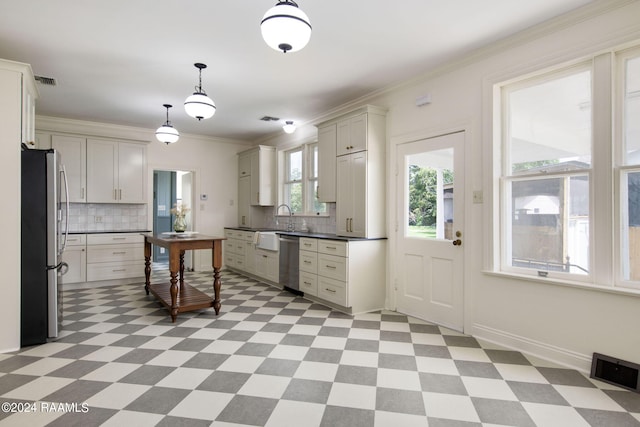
[180, 210]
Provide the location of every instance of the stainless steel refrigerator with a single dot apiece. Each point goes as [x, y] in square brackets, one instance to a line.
[43, 241]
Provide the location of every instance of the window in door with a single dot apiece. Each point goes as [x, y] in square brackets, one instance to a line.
[431, 195]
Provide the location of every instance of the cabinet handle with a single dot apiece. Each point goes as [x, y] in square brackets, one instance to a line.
[115, 194]
[120, 194]
[351, 225]
[117, 271]
[333, 291]
[331, 247]
[333, 267]
[264, 256]
[346, 227]
[118, 238]
[307, 244]
[119, 253]
[82, 197]
[307, 262]
[307, 283]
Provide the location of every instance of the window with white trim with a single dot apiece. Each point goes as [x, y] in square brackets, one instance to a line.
[300, 186]
[569, 179]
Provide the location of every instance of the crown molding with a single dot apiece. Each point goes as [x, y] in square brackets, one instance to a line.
[108, 130]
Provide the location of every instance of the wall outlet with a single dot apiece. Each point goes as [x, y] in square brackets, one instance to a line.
[98, 218]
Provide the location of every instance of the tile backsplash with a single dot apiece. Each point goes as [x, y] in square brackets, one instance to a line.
[90, 217]
[316, 224]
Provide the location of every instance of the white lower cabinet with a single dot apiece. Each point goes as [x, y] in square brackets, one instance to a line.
[114, 256]
[268, 265]
[75, 255]
[240, 253]
[348, 274]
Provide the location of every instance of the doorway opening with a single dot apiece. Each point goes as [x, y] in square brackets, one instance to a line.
[170, 189]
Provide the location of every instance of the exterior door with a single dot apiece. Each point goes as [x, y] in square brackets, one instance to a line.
[430, 188]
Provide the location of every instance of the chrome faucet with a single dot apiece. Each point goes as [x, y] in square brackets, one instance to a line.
[290, 225]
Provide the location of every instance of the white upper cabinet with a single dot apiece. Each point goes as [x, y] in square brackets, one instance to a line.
[115, 171]
[352, 135]
[260, 162]
[327, 163]
[73, 150]
[357, 174]
[18, 103]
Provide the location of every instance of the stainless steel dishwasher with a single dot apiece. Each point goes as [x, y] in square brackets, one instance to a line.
[289, 253]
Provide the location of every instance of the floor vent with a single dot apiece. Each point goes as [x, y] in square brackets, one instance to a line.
[615, 371]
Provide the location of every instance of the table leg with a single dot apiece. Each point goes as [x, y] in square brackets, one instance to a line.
[147, 265]
[216, 261]
[173, 289]
[216, 289]
[181, 270]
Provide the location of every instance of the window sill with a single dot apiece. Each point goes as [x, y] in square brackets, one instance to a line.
[566, 283]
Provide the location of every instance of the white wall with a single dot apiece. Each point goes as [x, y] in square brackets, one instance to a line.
[213, 162]
[215, 167]
[565, 324]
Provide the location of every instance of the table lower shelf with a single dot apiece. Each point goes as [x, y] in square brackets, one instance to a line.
[189, 298]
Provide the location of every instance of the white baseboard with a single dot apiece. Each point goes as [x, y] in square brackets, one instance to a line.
[551, 353]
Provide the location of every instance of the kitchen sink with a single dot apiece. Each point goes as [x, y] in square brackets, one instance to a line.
[267, 240]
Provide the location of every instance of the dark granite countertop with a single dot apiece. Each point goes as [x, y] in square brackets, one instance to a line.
[110, 232]
[310, 234]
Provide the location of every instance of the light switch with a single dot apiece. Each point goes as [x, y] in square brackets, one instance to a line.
[477, 196]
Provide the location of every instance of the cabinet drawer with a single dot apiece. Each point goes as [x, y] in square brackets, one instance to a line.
[114, 270]
[76, 239]
[111, 238]
[332, 290]
[308, 283]
[333, 247]
[334, 267]
[235, 246]
[308, 262]
[246, 236]
[307, 244]
[240, 262]
[115, 253]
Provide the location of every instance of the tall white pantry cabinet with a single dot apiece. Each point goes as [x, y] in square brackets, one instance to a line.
[355, 179]
[17, 109]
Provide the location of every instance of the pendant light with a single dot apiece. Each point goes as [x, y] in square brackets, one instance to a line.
[286, 27]
[167, 133]
[199, 105]
[289, 127]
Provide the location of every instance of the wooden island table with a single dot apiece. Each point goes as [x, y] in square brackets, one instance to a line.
[181, 297]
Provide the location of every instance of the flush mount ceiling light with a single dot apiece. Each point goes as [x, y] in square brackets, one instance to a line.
[199, 105]
[285, 27]
[289, 127]
[167, 133]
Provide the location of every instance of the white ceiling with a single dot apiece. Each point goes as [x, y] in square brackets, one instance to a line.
[118, 61]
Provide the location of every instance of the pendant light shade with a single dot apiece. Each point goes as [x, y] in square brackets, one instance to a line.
[199, 105]
[285, 27]
[167, 133]
[289, 127]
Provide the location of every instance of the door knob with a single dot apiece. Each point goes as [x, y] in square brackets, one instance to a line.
[457, 242]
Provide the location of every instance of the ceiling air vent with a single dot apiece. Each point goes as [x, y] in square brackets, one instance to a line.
[269, 119]
[47, 81]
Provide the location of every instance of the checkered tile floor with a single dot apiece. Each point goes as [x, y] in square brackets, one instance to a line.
[273, 359]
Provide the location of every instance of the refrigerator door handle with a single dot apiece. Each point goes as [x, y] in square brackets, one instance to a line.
[63, 173]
